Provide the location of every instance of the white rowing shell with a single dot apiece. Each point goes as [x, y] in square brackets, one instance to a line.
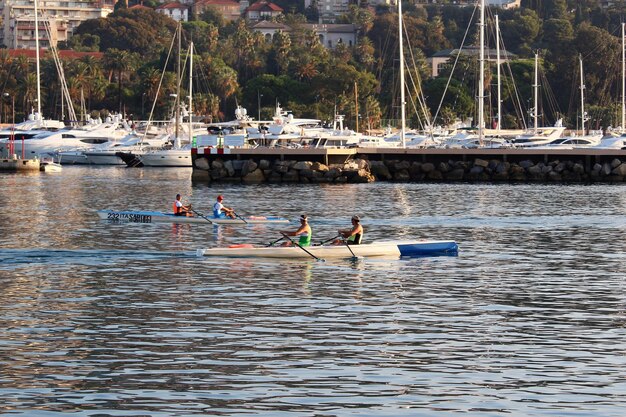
[391, 248]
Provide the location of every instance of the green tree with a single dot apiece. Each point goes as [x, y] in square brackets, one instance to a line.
[204, 35]
[361, 18]
[520, 30]
[280, 52]
[312, 13]
[135, 30]
[119, 62]
[212, 16]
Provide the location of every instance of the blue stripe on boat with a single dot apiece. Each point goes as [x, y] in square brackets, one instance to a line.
[429, 249]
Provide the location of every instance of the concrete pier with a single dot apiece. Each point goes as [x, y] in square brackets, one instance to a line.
[18, 164]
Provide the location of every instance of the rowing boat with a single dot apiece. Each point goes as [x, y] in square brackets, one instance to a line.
[160, 217]
[412, 248]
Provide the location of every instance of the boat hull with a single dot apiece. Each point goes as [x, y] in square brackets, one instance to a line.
[173, 158]
[103, 158]
[415, 248]
[160, 217]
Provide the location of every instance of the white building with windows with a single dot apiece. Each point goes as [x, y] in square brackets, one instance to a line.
[443, 58]
[330, 35]
[60, 16]
[176, 11]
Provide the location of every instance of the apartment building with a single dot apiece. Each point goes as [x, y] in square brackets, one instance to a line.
[262, 10]
[330, 10]
[229, 9]
[61, 16]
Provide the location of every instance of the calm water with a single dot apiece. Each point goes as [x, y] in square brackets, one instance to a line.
[111, 319]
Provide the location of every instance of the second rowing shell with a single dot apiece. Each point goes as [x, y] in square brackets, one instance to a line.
[160, 217]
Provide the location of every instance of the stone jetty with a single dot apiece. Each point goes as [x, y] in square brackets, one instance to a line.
[370, 165]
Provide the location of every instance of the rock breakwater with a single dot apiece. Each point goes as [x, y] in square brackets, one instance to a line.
[364, 170]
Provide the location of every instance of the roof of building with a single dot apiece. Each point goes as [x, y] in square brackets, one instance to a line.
[139, 6]
[231, 3]
[263, 6]
[63, 53]
[266, 24]
[174, 5]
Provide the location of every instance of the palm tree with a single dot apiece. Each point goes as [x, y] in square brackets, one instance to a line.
[118, 62]
[28, 90]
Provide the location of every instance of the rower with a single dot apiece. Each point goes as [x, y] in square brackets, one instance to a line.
[180, 209]
[351, 236]
[304, 231]
[220, 211]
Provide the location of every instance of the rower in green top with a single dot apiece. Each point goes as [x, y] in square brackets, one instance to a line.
[304, 232]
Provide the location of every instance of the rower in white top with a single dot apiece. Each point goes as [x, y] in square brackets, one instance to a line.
[220, 211]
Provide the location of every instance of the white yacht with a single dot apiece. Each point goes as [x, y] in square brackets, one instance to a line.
[69, 138]
[109, 153]
[34, 125]
[540, 136]
[573, 142]
[377, 142]
[466, 140]
[178, 157]
[610, 142]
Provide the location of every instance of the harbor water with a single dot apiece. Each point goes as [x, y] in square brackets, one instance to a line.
[113, 319]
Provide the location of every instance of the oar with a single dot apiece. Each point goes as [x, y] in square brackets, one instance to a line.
[298, 245]
[328, 240]
[345, 242]
[276, 241]
[202, 215]
[236, 215]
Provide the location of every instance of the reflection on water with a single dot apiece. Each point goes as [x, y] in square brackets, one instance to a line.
[124, 319]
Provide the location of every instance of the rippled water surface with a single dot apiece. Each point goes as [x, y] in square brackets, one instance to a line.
[123, 319]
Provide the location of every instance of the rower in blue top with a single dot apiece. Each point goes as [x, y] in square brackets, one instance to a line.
[220, 211]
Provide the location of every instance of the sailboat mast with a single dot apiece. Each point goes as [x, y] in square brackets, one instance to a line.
[190, 91]
[402, 99]
[499, 119]
[481, 76]
[177, 101]
[623, 82]
[536, 94]
[37, 58]
[582, 95]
